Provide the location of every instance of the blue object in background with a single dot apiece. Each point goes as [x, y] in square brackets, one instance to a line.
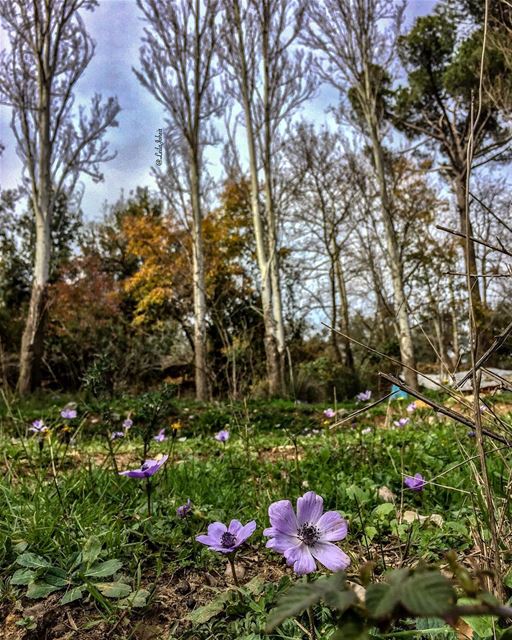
[398, 394]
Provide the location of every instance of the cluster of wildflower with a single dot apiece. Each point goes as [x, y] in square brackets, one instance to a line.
[302, 537]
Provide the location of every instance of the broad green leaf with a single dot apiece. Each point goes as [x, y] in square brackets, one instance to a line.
[113, 589]
[57, 581]
[341, 600]
[23, 576]
[136, 599]
[254, 586]
[73, 594]
[302, 596]
[104, 569]
[91, 550]
[32, 561]
[20, 547]
[40, 589]
[428, 594]
[384, 509]
[381, 599]
[210, 610]
[370, 532]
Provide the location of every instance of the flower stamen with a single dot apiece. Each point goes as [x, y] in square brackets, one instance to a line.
[228, 540]
[308, 533]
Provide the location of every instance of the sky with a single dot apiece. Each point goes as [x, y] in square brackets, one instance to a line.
[117, 29]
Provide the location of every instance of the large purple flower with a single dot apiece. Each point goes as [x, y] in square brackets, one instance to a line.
[415, 483]
[148, 469]
[38, 426]
[227, 539]
[307, 536]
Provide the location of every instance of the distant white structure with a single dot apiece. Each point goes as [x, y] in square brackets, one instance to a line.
[488, 381]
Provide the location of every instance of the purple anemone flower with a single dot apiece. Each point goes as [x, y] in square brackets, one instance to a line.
[401, 423]
[364, 396]
[329, 413]
[68, 414]
[415, 483]
[184, 509]
[411, 408]
[38, 426]
[227, 539]
[307, 536]
[148, 469]
[128, 423]
[160, 437]
[222, 436]
[117, 434]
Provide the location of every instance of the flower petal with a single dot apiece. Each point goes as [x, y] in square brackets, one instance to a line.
[234, 527]
[133, 473]
[309, 508]
[245, 532]
[330, 556]
[301, 558]
[216, 529]
[281, 542]
[332, 527]
[282, 517]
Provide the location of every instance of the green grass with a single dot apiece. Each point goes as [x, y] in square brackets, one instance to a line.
[271, 455]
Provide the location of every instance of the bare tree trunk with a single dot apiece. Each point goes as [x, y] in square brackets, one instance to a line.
[476, 297]
[32, 342]
[401, 310]
[199, 286]
[334, 312]
[345, 318]
[270, 342]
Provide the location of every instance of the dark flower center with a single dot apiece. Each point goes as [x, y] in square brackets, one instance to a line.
[308, 533]
[228, 540]
[145, 466]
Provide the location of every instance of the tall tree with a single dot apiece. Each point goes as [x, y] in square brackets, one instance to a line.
[177, 68]
[442, 101]
[269, 79]
[323, 198]
[354, 56]
[49, 49]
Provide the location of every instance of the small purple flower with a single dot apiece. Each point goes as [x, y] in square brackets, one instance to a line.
[401, 423]
[117, 434]
[222, 436]
[307, 536]
[68, 414]
[415, 483]
[160, 437]
[184, 509]
[364, 396]
[127, 424]
[227, 539]
[38, 426]
[148, 469]
[411, 408]
[329, 413]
